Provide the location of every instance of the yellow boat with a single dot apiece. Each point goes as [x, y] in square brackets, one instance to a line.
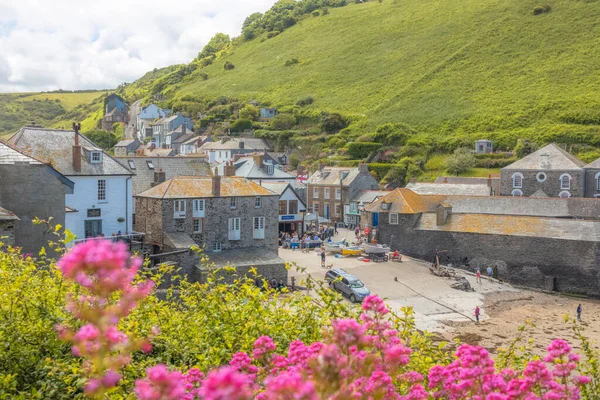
[352, 251]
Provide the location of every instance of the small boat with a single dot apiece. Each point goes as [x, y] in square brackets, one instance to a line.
[352, 251]
[333, 247]
[376, 249]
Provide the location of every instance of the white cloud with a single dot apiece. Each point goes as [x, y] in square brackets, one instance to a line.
[70, 44]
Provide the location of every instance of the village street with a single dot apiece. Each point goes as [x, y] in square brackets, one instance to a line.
[130, 127]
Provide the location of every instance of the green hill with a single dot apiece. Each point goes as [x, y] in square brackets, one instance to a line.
[459, 69]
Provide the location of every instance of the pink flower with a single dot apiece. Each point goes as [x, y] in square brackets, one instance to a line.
[397, 355]
[374, 304]
[348, 332]
[262, 346]
[226, 384]
[160, 384]
[289, 385]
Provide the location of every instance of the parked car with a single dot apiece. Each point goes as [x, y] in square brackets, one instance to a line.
[347, 284]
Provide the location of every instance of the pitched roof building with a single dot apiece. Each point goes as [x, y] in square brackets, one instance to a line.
[227, 147]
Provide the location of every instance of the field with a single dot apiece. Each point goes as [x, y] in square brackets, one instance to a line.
[68, 100]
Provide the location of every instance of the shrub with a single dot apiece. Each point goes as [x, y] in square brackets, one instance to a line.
[214, 45]
[240, 125]
[360, 150]
[524, 147]
[249, 112]
[316, 13]
[291, 62]
[294, 161]
[306, 101]
[283, 122]
[203, 76]
[228, 65]
[537, 10]
[333, 123]
[461, 161]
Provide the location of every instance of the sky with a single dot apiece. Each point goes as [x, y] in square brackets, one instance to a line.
[85, 44]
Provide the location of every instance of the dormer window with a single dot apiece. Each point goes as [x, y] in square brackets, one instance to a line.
[150, 164]
[96, 157]
[385, 206]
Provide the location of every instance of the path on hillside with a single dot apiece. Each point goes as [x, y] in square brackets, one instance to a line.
[130, 128]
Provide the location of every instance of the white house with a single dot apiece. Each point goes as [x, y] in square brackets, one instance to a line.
[227, 147]
[291, 206]
[101, 202]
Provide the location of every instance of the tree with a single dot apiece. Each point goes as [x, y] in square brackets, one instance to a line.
[461, 161]
[249, 112]
[333, 123]
[215, 44]
[294, 161]
[283, 121]
[524, 147]
[252, 24]
[241, 125]
[103, 139]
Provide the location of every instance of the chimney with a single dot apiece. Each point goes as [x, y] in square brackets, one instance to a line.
[413, 180]
[159, 177]
[300, 170]
[258, 159]
[76, 149]
[442, 212]
[183, 128]
[489, 180]
[445, 179]
[229, 169]
[363, 168]
[241, 144]
[321, 166]
[216, 184]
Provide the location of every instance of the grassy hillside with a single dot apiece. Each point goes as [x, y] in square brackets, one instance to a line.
[55, 109]
[478, 67]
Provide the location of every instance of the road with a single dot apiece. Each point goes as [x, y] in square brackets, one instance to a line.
[130, 128]
[432, 298]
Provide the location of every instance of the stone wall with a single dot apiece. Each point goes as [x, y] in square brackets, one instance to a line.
[7, 233]
[148, 219]
[266, 271]
[591, 189]
[32, 191]
[521, 260]
[551, 186]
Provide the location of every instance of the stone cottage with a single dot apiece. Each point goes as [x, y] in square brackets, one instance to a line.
[231, 218]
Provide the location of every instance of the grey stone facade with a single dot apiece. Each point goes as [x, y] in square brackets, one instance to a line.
[592, 179]
[551, 186]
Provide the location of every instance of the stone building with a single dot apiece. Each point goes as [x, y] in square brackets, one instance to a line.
[549, 171]
[231, 216]
[537, 242]
[7, 227]
[330, 189]
[29, 189]
[592, 179]
[126, 147]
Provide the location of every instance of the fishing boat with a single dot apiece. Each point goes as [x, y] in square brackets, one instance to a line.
[333, 247]
[375, 249]
[352, 251]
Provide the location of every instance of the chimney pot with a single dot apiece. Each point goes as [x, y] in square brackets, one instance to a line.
[216, 184]
[76, 151]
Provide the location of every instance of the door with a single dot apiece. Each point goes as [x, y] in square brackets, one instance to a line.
[326, 211]
[93, 228]
[234, 229]
[345, 287]
[375, 219]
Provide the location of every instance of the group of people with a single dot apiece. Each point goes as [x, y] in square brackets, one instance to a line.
[324, 234]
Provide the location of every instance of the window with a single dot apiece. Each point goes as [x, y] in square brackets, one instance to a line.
[564, 194]
[179, 206]
[354, 207]
[565, 181]
[102, 189]
[216, 247]
[517, 192]
[385, 206]
[338, 194]
[233, 202]
[131, 164]
[198, 208]
[316, 209]
[326, 194]
[96, 157]
[393, 218]
[598, 181]
[283, 207]
[197, 225]
[541, 177]
[150, 164]
[315, 193]
[517, 180]
[270, 169]
[293, 207]
[338, 211]
[259, 228]
[234, 229]
[257, 202]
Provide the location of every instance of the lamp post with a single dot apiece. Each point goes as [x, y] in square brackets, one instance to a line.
[342, 211]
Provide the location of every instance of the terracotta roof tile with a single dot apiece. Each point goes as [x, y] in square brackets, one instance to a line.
[201, 187]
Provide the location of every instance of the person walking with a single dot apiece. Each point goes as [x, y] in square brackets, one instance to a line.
[478, 276]
[579, 309]
[490, 271]
[477, 312]
[323, 257]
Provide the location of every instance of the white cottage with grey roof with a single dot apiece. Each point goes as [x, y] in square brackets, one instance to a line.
[101, 202]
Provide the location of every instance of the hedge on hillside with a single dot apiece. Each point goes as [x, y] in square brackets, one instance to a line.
[362, 149]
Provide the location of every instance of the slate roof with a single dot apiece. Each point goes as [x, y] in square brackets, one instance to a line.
[248, 168]
[462, 180]
[280, 188]
[125, 143]
[249, 257]
[401, 201]
[6, 215]
[594, 164]
[179, 240]
[234, 144]
[201, 187]
[183, 138]
[329, 176]
[450, 189]
[11, 155]
[55, 147]
[558, 159]
[364, 197]
[171, 166]
[511, 225]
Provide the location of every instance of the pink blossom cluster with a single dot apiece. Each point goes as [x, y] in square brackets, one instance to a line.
[107, 271]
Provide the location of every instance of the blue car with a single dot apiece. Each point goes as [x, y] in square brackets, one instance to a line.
[347, 284]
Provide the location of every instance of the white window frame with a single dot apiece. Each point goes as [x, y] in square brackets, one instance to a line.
[315, 193]
[568, 181]
[257, 202]
[516, 193]
[233, 203]
[316, 208]
[96, 157]
[198, 208]
[234, 228]
[131, 164]
[541, 177]
[338, 194]
[337, 210]
[597, 181]
[519, 184]
[326, 193]
[179, 209]
[150, 164]
[259, 228]
[354, 207]
[197, 225]
[565, 194]
[216, 247]
[270, 169]
[393, 219]
[101, 189]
